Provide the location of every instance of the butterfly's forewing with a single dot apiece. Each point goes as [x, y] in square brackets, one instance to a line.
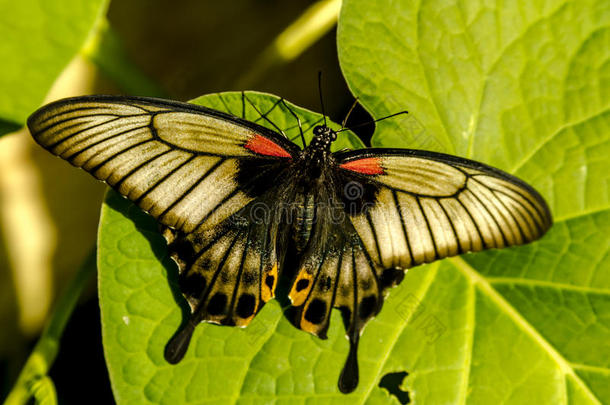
[430, 205]
[208, 177]
[165, 156]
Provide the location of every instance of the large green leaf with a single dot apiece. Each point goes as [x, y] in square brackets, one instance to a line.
[523, 88]
[39, 38]
[142, 307]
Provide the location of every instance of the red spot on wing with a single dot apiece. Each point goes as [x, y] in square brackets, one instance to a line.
[364, 166]
[265, 146]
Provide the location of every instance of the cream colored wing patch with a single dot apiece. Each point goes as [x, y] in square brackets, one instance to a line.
[177, 161]
[202, 134]
[421, 176]
[426, 208]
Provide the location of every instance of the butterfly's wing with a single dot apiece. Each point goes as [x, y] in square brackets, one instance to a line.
[228, 272]
[394, 209]
[199, 172]
[165, 156]
[336, 271]
[427, 206]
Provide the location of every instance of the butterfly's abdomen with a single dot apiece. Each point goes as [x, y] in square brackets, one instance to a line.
[303, 218]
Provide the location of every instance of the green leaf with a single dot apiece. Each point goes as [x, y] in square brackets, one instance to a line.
[523, 86]
[142, 307]
[39, 39]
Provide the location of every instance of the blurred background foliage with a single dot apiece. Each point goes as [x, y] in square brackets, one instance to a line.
[178, 50]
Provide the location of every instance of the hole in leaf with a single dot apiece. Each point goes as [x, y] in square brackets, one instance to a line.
[391, 382]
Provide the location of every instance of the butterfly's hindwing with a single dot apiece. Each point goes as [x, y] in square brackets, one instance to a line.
[337, 271]
[226, 275]
[222, 274]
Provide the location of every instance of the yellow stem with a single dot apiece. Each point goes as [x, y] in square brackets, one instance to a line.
[312, 25]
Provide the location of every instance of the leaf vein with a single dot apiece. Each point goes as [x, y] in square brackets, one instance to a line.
[424, 288]
[520, 321]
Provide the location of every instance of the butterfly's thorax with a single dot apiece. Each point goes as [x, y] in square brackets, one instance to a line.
[312, 175]
[315, 156]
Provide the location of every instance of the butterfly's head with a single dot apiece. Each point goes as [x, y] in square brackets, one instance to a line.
[318, 150]
[323, 136]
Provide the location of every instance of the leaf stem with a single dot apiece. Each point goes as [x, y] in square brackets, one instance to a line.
[33, 379]
[312, 25]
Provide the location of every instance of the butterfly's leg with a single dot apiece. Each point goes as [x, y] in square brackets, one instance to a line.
[316, 122]
[298, 120]
[263, 115]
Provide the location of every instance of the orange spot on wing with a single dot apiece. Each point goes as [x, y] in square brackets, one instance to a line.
[370, 165]
[265, 146]
[310, 327]
[300, 288]
[269, 283]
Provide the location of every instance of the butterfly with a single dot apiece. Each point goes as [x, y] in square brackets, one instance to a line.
[243, 207]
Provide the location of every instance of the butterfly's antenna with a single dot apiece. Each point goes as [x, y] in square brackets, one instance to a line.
[372, 122]
[321, 98]
[297, 118]
[349, 112]
[264, 116]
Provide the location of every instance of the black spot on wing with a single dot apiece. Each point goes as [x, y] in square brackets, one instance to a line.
[269, 281]
[316, 312]
[217, 304]
[367, 307]
[365, 283]
[249, 278]
[192, 285]
[325, 284]
[183, 249]
[245, 305]
[225, 277]
[391, 277]
[205, 264]
[346, 315]
[302, 284]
